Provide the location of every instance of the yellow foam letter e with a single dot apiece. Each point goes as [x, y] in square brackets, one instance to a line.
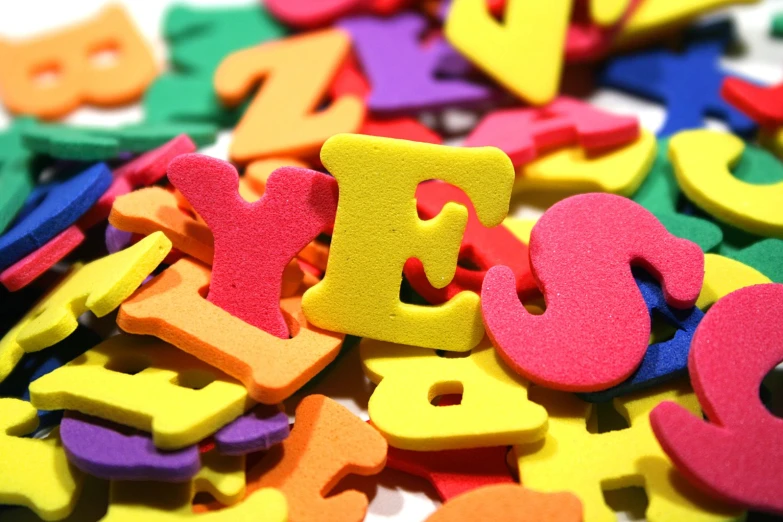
[377, 229]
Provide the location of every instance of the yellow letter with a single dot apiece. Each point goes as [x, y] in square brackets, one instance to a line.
[146, 384]
[161, 502]
[619, 171]
[377, 229]
[573, 459]
[34, 473]
[702, 159]
[525, 54]
[222, 476]
[722, 276]
[409, 378]
[99, 286]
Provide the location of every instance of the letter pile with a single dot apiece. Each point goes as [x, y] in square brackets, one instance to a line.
[349, 242]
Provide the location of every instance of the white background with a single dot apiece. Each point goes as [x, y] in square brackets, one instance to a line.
[398, 496]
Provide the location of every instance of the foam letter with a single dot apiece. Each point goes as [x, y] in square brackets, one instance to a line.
[524, 54]
[403, 72]
[409, 378]
[71, 58]
[524, 133]
[254, 242]
[148, 385]
[739, 341]
[60, 206]
[171, 307]
[282, 119]
[510, 503]
[34, 473]
[453, 472]
[327, 443]
[99, 286]
[618, 171]
[377, 230]
[614, 460]
[156, 502]
[688, 83]
[763, 104]
[483, 247]
[596, 329]
[702, 160]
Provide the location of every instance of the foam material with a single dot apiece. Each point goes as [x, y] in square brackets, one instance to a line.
[660, 194]
[156, 502]
[510, 503]
[222, 476]
[34, 473]
[587, 40]
[112, 452]
[481, 246]
[377, 230]
[32, 366]
[74, 143]
[60, 207]
[316, 254]
[723, 276]
[409, 378]
[736, 345]
[91, 505]
[145, 170]
[80, 80]
[615, 459]
[650, 18]
[307, 14]
[328, 442]
[766, 256]
[777, 24]
[145, 384]
[116, 239]
[155, 209]
[15, 176]
[608, 12]
[672, 79]
[763, 104]
[663, 360]
[350, 79]
[27, 269]
[402, 71]
[284, 118]
[595, 330]
[99, 287]
[399, 128]
[171, 307]
[525, 133]
[772, 139]
[93, 144]
[702, 160]
[247, 274]
[198, 38]
[257, 430]
[574, 170]
[257, 175]
[524, 54]
[453, 472]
